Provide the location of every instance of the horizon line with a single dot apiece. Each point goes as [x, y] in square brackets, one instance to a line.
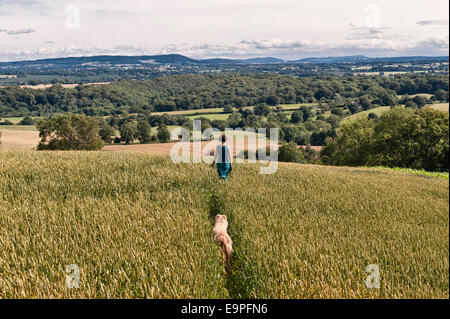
[226, 58]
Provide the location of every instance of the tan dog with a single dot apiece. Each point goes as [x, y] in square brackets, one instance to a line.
[222, 237]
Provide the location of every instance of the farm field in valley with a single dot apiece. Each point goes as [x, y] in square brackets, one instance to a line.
[165, 148]
[304, 232]
[46, 86]
[14, 120]
[426, 95]
[211, 117]
[25, 139]
[191, 112]
[18, 128]
[378, 111]
[440, 107]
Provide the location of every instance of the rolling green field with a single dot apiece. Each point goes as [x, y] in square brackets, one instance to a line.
[18, 127]
[291, 107]
[378, 111]
[155, 129]
[16, 120]
[426, 95]
[211, 117]
[139, 226]
[191, 112]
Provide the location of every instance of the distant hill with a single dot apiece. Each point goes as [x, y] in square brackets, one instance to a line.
[263, 60]
[178, 59]
[171, 58]
[111, 60]
[362, 58]
[218, 61]
[122, 59]
[338, 59]
[410, 59]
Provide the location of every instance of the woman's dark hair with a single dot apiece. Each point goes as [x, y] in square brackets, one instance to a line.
[223, 138]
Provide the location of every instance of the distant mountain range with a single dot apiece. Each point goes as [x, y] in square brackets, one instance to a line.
[177, 59]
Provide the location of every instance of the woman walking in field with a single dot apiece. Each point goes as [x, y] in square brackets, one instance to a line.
[222, 158]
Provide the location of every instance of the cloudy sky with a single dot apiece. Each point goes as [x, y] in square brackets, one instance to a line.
[33, 29]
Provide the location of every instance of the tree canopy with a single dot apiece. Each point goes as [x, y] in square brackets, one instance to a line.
[69, 132]
[399, 138]
[198, 91]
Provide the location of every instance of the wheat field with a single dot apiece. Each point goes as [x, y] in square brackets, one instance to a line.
[139, 226]
[313, 230]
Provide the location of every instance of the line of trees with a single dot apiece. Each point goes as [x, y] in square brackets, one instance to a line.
[402, 137]
[198, 91]
[81, 132]
[141, 130]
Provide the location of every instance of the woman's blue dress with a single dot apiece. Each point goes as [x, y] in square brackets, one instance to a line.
[223, 166]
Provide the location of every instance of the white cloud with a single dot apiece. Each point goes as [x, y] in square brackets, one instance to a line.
[17, 32]
[433, 22]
